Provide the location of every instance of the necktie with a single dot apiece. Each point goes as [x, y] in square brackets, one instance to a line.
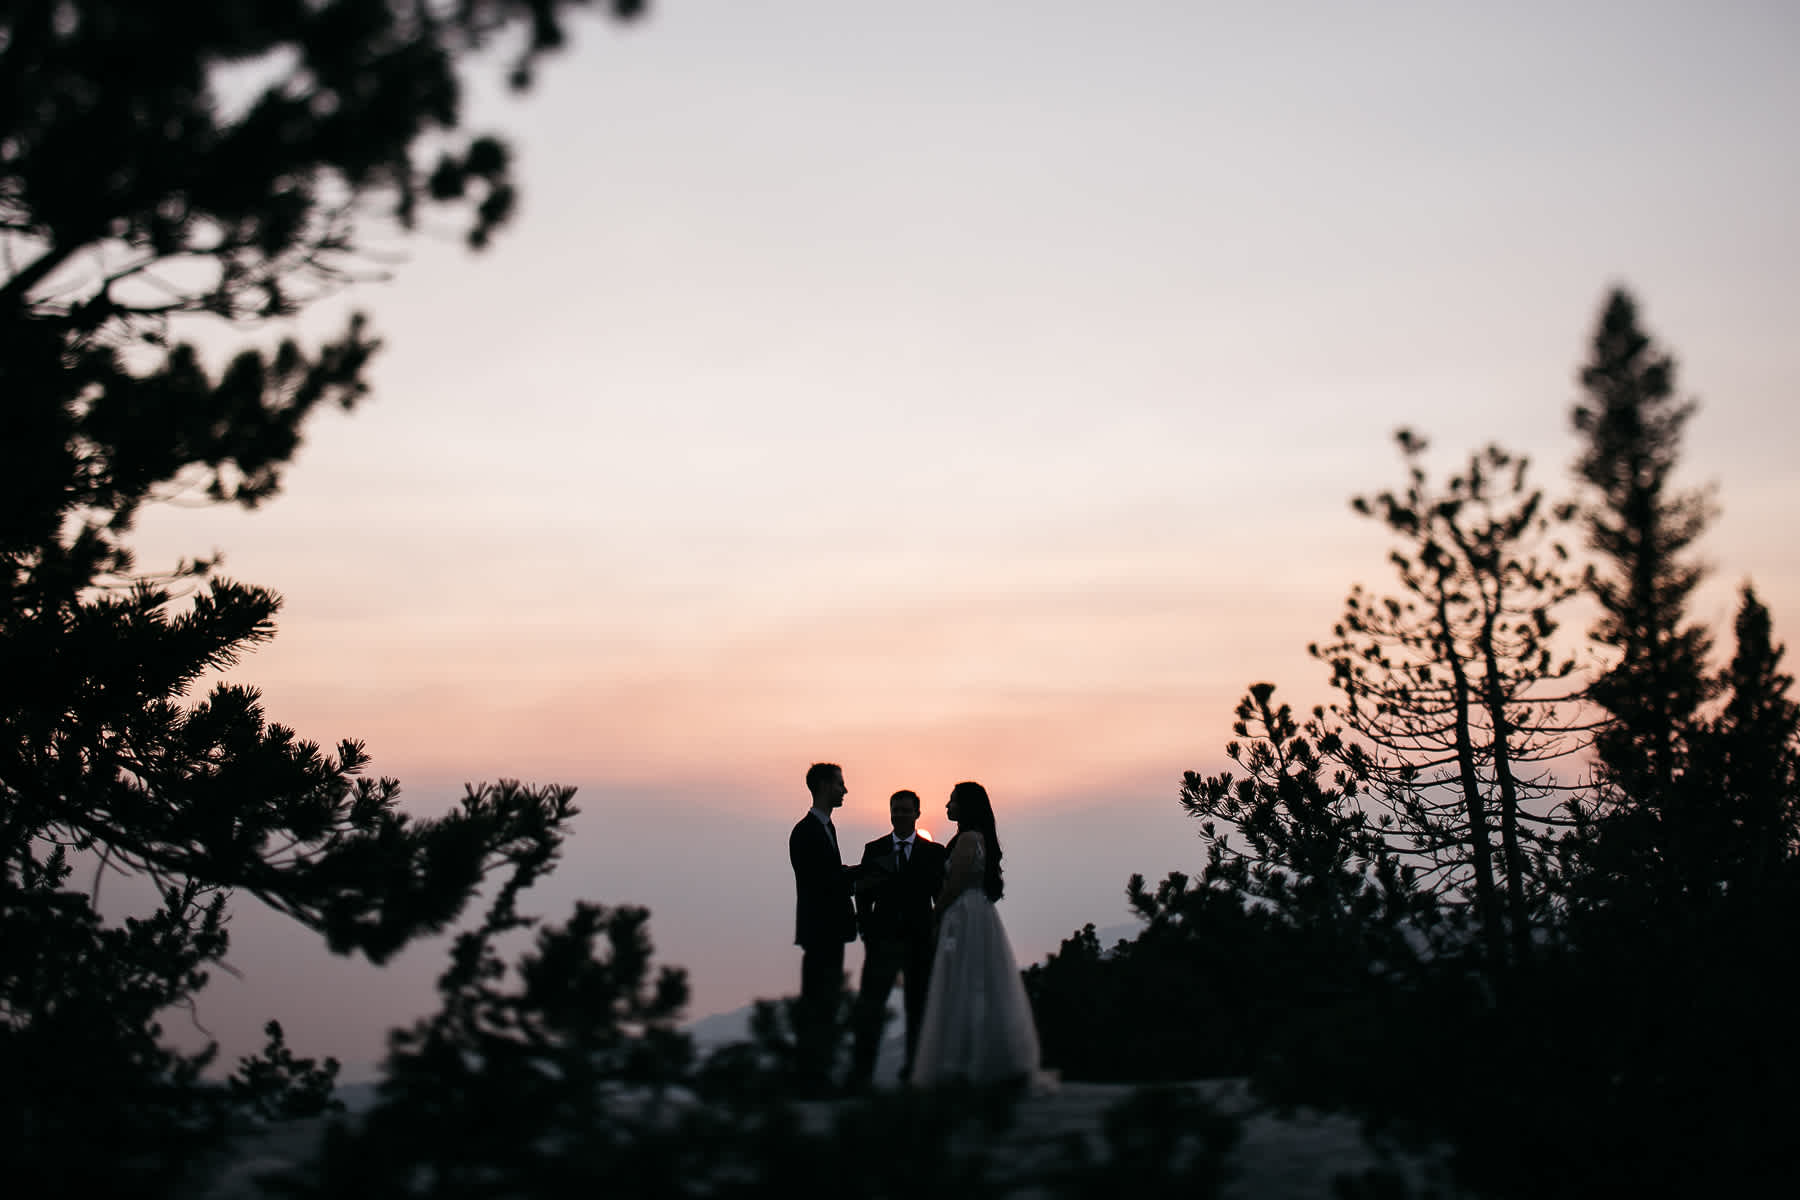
[905, 851]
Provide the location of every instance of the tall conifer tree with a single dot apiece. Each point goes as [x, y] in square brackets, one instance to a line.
[1751, 758]
[1455, 685]
[1641, 529]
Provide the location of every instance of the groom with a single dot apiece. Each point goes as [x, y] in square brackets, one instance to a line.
[824, 919]
[900, 879]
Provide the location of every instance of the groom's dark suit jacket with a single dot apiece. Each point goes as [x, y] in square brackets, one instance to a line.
[897, 905]
[823, 913]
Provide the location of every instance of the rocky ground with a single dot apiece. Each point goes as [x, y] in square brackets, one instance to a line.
[1277, 1156]
[1298, 1155]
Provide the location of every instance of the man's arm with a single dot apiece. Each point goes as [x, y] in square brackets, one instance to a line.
[816, 867]
[861, 889]
[873, 876]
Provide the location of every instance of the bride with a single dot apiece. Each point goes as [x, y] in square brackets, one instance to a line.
[978, 1024]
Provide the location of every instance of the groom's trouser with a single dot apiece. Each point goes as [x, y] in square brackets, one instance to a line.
[821, 984]
[883, 959]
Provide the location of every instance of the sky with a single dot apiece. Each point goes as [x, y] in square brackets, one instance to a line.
[967, 391]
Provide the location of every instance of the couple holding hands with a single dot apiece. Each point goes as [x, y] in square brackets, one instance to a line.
[926, 913]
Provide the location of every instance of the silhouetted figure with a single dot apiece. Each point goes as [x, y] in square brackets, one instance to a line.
[824, 919]
[978, 1025]
[901, 875]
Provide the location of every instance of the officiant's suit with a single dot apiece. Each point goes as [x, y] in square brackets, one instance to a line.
[901, 878]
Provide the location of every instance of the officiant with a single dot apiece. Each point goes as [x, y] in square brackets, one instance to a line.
[901, 875]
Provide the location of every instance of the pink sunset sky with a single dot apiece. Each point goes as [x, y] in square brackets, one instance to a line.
[975, 391]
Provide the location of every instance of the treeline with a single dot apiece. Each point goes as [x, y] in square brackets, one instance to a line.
[1531, 892]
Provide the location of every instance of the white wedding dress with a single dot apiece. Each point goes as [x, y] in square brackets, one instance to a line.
[978, 1024]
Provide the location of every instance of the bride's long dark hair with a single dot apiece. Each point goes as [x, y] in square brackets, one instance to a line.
[975, 811]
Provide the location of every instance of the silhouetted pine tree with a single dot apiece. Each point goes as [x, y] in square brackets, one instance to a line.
[1285, 833]
[1749, 759]
[134, 202]
[527, 1072]
[1337, 922]
[1641, 528]
[1457, 690]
